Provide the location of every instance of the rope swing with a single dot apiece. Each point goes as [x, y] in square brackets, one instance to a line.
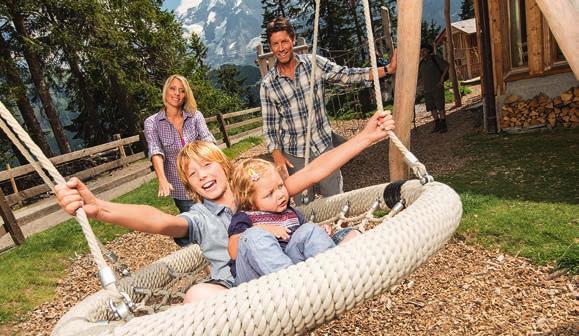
[296, 299]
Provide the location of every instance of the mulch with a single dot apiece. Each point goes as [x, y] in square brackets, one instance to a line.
[462, 290]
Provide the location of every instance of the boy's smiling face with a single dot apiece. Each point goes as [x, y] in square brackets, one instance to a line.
[208, 179]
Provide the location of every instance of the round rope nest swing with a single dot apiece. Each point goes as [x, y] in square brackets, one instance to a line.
[291, 301]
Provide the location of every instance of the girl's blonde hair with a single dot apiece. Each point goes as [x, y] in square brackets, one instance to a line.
[199, 151]
[245, 174]
[189, 104]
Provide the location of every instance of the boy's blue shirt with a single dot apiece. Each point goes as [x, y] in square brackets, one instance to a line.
[207, 226]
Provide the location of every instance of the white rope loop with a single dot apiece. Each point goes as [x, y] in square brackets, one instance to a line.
[57, 177]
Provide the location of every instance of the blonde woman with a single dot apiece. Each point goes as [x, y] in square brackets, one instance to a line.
[167, 131]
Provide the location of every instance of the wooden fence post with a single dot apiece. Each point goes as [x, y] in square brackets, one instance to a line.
[223, 129]
[122, 154]
[13, 182]
[10, 222]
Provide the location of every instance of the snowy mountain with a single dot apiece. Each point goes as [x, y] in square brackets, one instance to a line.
[229, 28]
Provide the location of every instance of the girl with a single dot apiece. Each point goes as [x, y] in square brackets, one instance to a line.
[167, 132]
[268, 234]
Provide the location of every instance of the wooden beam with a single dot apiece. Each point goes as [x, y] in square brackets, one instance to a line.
[409, 20]
[452, 65]
[10, 223]
[385, 13]
[534, 37]
[562, 18]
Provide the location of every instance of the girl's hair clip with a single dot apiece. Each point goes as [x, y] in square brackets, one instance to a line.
[253, 175]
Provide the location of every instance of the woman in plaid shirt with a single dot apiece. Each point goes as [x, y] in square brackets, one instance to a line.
[169, 130]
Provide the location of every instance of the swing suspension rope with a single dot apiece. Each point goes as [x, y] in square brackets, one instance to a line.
[412, 161]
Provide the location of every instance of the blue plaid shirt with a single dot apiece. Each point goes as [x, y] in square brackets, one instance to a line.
[163, 139]
[284, 108]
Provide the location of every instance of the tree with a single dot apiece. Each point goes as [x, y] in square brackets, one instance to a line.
[16, 90]
[450, 48]
[429, 32]
[466, 10]
[30, 48]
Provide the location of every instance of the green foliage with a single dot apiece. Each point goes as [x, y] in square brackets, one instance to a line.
[466, 10]
[519, 194]
[449, 95]
[429, 31]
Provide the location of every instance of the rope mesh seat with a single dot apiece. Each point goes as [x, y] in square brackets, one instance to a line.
[301, 297]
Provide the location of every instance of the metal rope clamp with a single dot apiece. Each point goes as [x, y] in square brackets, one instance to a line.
[418, 168]
[123, 310]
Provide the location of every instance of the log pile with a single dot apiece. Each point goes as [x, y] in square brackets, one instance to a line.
[541, 111]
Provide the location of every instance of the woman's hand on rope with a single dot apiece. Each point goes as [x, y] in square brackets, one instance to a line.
[165, 188]
[378, 126]
[74, 195]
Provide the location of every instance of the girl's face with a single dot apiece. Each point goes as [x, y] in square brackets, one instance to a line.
[208, 179]
[175, 94]
[270, 192]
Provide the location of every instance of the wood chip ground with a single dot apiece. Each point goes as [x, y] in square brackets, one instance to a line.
[462, 290]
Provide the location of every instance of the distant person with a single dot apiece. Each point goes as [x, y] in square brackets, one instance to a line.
[283, 94]
[431, 73]
[167, 131]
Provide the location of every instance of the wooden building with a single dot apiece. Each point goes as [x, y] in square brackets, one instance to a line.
[466, 52]
[521, 57]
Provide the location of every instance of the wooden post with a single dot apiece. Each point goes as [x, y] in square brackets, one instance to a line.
[409, 18]
[562, 18]
[450, 44]
[13, 182]
[534, 37]
[385, 13]
[10, 222]
[261, 62]
[223, 129]
[122, 154]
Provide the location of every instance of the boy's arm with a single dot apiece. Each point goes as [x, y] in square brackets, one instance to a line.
[232, 246]
[75, 194]
[376, 129]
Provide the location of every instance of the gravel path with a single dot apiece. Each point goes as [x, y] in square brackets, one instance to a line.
[463, 290]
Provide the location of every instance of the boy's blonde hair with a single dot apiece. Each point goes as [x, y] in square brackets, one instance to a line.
[245, 174]
[189, 103]
[199, 151]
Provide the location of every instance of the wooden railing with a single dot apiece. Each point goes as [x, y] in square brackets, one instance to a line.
[235, 126]
[115, 148]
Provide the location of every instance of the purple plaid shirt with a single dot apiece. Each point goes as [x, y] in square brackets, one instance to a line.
[163, 139]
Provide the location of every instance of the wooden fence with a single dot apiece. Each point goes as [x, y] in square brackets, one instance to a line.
[228, 129]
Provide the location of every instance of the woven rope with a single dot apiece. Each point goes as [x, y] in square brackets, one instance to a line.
[55, 174]
[303, 296]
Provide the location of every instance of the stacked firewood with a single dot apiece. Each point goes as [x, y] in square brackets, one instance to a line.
[540, 111]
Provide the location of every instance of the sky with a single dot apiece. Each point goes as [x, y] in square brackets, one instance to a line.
[171, 4]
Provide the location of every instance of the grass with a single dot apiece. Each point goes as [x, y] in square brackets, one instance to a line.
[30, 273]
[519, 194]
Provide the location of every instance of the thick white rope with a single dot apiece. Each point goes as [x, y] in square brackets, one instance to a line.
[310, 101]
[26, 154]
[55, 174]
[417, 167]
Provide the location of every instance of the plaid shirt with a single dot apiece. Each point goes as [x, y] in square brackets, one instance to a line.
[163, 139]
[284, 107]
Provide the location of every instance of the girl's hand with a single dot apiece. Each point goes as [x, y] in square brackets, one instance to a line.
[279, 232]
[378, 125]
[328, 228]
